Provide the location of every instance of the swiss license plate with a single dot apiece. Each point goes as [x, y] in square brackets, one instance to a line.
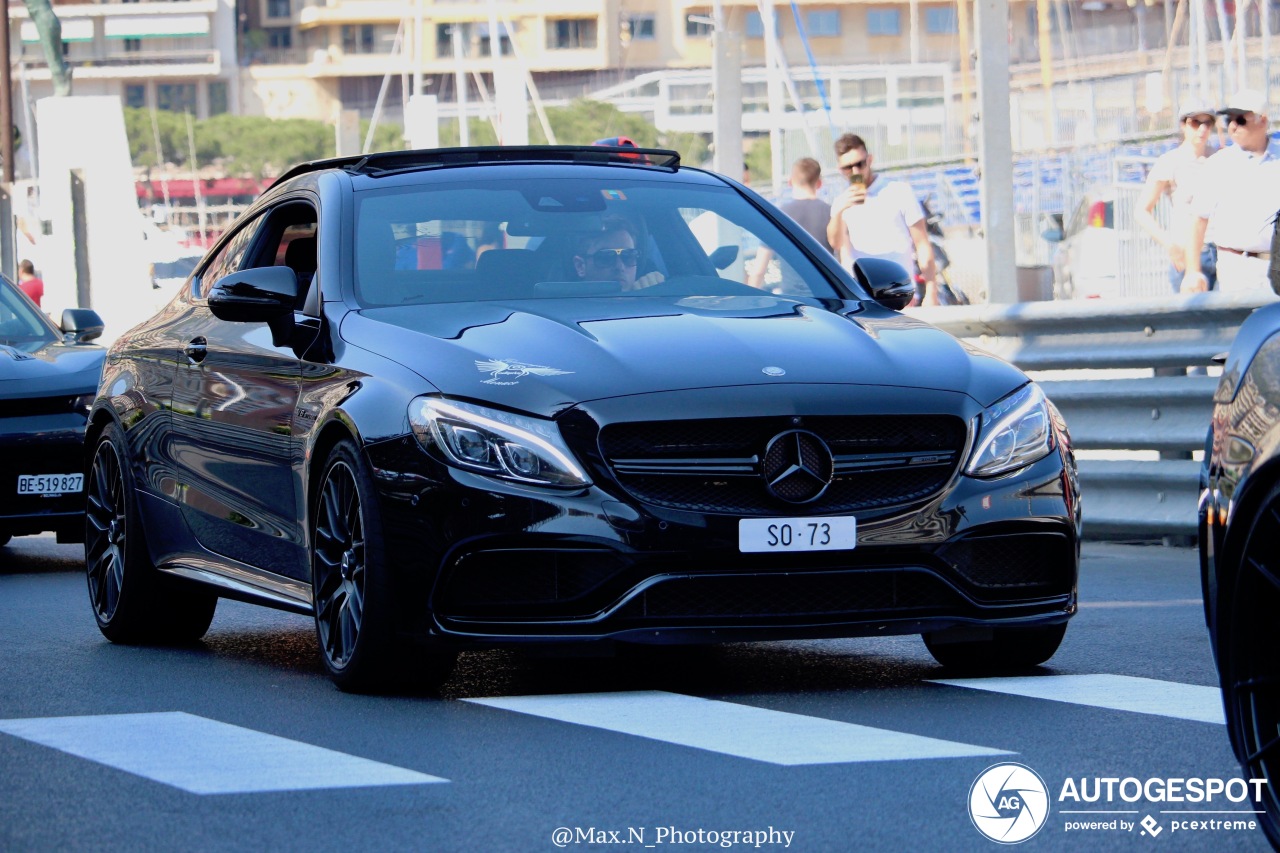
[49, 484]
[797, 534]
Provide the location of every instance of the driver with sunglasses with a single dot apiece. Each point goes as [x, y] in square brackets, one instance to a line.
[611, 255]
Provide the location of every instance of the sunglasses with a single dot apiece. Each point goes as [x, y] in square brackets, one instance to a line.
[608, 257]
[849, 167]
[1200, 122]
[1241, 119]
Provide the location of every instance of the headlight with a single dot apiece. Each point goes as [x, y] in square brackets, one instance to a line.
[1014, 432]
[500, 444]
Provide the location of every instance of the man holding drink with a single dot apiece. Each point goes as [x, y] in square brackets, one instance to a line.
[877, 217]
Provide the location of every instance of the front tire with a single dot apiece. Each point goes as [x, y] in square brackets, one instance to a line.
[1006, 649]
[1249, 628]
[132, 602]
[352, 588]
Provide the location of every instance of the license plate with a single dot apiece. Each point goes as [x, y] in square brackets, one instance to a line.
[797, 534]
[49, 484]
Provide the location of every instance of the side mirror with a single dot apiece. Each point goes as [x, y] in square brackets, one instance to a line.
[889, 282]
[723, 256]
[1051, 227]
[82, 324]
[254, 296]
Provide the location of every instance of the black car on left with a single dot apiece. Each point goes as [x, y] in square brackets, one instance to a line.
[48, 379]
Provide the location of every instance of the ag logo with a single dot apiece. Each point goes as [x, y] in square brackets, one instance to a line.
[1008, 803]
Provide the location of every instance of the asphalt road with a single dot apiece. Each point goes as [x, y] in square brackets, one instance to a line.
[241, 742]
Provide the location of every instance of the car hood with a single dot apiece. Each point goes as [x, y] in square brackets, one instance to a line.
[53, 369]
[546, 355]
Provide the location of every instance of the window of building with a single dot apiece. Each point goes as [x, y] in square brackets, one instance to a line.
[475, 39]
[755, 25]
[940, 20]
[218, 98]
[279, 37]
[278, 9]
[571, 33]
[357, 39]
[132, 45]
[641, 27]
[698, 28]
[1058, 22]
[920, 91]
[823, 22]
[176, 97]
[135, 95]
[884, 22]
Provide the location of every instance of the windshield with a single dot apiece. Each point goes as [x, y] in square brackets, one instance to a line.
[540, 238]
[21, 324]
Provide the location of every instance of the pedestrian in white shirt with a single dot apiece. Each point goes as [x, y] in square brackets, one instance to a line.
[877, 217]
[1237, 210]
[1179, 174]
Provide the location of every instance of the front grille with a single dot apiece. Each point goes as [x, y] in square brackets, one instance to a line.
[715, 465]
[1026, 565]
[818, 594]
[483, 581]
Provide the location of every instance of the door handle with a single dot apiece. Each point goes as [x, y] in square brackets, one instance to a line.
[196, 350]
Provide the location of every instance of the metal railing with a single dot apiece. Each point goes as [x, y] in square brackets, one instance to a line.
[1117, 370]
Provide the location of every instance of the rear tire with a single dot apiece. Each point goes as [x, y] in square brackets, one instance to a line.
[131, 601]
[352, 588]
[1007, 649]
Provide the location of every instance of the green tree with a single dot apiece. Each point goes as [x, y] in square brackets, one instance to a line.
[263, 147]
[759, 161]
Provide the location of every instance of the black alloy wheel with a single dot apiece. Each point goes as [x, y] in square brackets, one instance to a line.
[1251, 667]
[131, 602]
[340, 566]
[352, 590]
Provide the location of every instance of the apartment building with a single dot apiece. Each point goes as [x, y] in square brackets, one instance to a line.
[172, 54]
[312, 58]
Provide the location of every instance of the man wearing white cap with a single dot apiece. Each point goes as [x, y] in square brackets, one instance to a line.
[1179, 174]
[1237, 211]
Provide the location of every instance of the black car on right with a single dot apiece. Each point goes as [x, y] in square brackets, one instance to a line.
[1240, 549]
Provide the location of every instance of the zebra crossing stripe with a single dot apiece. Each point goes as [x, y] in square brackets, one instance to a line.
[205, 756]
[1116, 692]
[731, 729]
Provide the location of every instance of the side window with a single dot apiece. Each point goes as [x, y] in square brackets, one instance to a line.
[739, 254]
[227, 261]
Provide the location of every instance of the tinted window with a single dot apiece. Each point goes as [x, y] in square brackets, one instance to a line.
[538, 238]
[20, 324]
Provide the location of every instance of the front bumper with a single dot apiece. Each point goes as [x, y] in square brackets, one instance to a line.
[41, 444]
[476, 561]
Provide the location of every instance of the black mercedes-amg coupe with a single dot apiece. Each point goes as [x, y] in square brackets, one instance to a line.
[48, 378]
[1240, 549]
[484, 396]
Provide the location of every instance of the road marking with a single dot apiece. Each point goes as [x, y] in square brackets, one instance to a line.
[205, 756]
[1116, 692]
[741, 730]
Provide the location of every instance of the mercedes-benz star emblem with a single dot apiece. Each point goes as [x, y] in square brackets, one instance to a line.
[797, 466]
